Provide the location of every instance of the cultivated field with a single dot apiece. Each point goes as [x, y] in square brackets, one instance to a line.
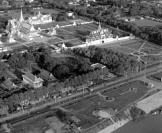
[149, 52]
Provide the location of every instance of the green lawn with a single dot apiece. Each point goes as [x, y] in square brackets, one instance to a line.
[146, 22]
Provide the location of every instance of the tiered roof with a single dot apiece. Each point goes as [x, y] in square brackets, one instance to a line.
[99, 34]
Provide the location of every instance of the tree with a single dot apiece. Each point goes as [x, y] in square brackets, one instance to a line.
[61, 17]
[136, 113]
[17, 61]
[62, 116]
[61, 71]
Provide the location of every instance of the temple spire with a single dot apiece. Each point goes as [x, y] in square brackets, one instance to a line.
[39, 13]
[21, 16]
[99, 26]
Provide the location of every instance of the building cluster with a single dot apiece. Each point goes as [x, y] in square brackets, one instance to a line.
[24, 29]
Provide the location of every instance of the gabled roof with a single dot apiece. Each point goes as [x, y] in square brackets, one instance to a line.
[8, 83]
[31, 76]
[158, 75]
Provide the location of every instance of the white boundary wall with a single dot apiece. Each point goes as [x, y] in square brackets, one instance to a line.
[106, 42]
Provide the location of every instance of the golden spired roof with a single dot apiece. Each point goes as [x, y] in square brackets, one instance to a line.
[21, 16]
[99, 26]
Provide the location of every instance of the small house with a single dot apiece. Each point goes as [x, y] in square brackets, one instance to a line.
[8, 84]
[158, 76]
[98, 65]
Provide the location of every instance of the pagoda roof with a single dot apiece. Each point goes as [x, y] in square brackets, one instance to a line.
[26, 27]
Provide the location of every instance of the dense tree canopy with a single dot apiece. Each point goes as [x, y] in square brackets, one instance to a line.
[115, 61]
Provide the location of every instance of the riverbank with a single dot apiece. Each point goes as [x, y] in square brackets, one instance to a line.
[114, 126]
[149, 124]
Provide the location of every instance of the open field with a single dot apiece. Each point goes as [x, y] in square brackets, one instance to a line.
[149, 52]
[146, 22]
[123, 97]
[54, 41]
[75, 42]
[84, 27]
[63, 34]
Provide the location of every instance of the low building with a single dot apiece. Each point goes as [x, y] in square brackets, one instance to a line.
[75, 119]
[158, 76]
[107, 113]
[32, 80]
[98, 65]
[74, 2]
[52, 31]
[70, 14]
[8, 84]
[10, 74]
[67, 89]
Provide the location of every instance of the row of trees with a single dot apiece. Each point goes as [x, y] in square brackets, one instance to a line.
[137, 8]
[136, 113]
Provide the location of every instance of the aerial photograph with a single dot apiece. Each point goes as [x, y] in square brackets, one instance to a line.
[80, 66]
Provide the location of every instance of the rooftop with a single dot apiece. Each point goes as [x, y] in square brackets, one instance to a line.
[8, 83]
[98, 65]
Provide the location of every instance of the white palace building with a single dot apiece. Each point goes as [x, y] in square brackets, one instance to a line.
[100, 36]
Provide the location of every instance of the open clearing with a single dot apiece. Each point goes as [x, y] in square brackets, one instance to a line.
[146, 22]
